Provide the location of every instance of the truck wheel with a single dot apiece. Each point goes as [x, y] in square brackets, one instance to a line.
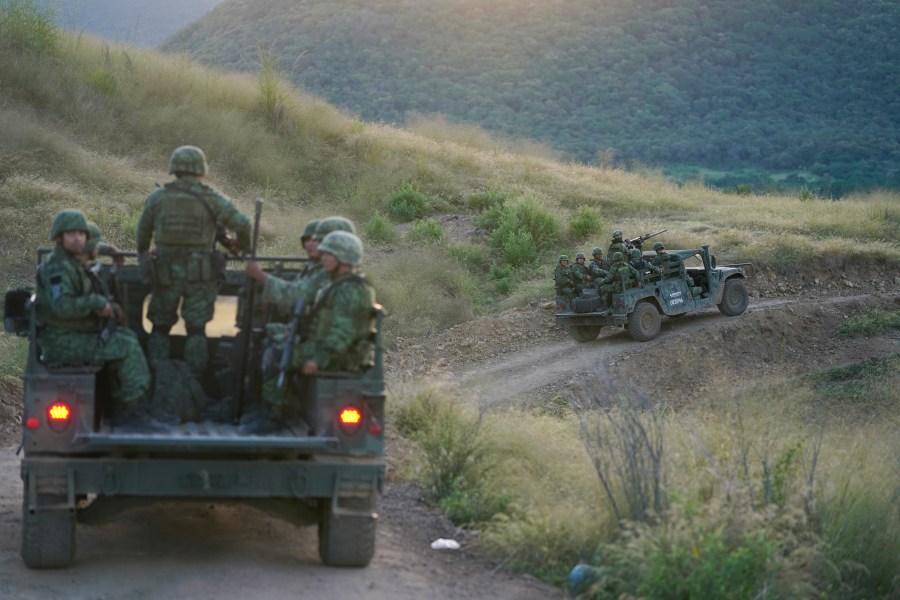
[48, 536]
[643, 323]
[347, 540]
[734, 298]
[585, 333]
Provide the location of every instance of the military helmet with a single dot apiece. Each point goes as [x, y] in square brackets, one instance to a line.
[309, 230]
[563, 257]
[94, 237]
[579, 255]
[597, 251]
[617, 235]
[189, 160]
[634, 253]
[345, 246]
[618, 257]
[68, 220]
[326, 226]
[659, 246]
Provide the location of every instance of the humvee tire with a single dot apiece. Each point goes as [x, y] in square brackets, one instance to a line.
[347, 540]
[48, 536]
[644, 322]
[585, 333]
[734, 298]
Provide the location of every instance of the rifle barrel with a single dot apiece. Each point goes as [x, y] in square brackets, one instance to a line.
[247, 322]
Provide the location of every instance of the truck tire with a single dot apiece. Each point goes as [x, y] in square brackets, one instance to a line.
[644, 322]
[48, 536]
[585, 333]
[734, 298]
[347, 541]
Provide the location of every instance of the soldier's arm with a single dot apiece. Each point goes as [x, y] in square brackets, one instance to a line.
[233, 219]
[351, 303]
[61, 298]
[144, 228]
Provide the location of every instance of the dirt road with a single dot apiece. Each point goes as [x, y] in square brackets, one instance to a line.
[199, 551]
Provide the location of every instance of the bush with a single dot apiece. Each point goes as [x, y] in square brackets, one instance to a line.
[407, 203]
[378, 229]
[586, 223]
[427, 231]
[525, 229]
[874, 322]
[472, 256]
[490, 217]
[27, 26]
[487, 200]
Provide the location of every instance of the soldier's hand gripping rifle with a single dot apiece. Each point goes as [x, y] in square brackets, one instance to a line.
[247, 321]
[289, 333]
[636, 242]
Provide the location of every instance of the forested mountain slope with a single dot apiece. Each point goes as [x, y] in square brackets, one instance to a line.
[799, 87]
[133, 21]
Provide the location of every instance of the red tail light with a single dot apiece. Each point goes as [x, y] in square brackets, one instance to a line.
[59, 415]
[350, 419]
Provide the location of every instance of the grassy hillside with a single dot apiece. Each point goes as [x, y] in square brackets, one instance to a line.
[774, 93]
[131, 21]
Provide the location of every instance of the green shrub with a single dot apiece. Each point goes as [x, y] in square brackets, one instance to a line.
[490, 217]
[874, 322]
[586, 223]
[407, 203]
[517, 247]
[540, 223]
[472, 256]
[427, 231]
[103, 81]
[379, 229]
[487, 200]
[28, 26]
[473, 507]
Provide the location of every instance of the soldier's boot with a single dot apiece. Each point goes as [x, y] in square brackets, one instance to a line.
[196, 350]
[158, 344]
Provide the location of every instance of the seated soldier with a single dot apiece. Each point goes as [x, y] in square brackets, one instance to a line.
[663, 258]
[612, 283]
[565, 286]
[74, 325]
[339, 330]
[637, 261]
[581, 275]
[599, 267]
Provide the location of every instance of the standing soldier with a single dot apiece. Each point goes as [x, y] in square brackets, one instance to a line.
[618, 244]
[339, 333]
[562, 278]
[184, 218]
[581, 275]
[74, 322]
[599, 266]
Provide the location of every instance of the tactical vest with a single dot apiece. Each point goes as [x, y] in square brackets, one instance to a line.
[90, 323]
[184, 220]
[361, 352]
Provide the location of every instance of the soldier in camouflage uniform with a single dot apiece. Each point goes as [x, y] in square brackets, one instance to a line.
[311, 246]
[599, 267]
[662, 258]
[72, 321]
[184, 217]
[562, 279]
[339, 332]
[618, 244]
[637, 261]
[581, 275]
[95, 246]
[282, 293]
[612, 283]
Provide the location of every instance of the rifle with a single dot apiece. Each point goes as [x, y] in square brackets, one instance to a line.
[289, 333]
[247, 320]
[636, 242]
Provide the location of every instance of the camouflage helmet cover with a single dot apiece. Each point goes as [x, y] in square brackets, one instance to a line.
[310, 230]
[189, 160]
[94, 237]
[326, 226]
[563, 257]
[597, 251]
[659, 246]
[618, 257]
[68, 220]
[617, 235]
[345, 246]
[579, 255]
[634, 253]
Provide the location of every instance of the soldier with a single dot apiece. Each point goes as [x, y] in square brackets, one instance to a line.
[339, 332]
[662, 258]
[284, 293]
[612, 283]
[599, 266]
[95, 246]
[637, 261]
[184, 218]
[581, 276]
[74, 322]
[311, 246]
[562, 278]
[618, 244]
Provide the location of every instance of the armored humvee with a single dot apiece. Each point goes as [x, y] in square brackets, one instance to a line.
[689, 280]
[324, 467]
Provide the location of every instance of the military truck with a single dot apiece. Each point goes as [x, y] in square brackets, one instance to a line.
[324, 467]
[689, 280]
